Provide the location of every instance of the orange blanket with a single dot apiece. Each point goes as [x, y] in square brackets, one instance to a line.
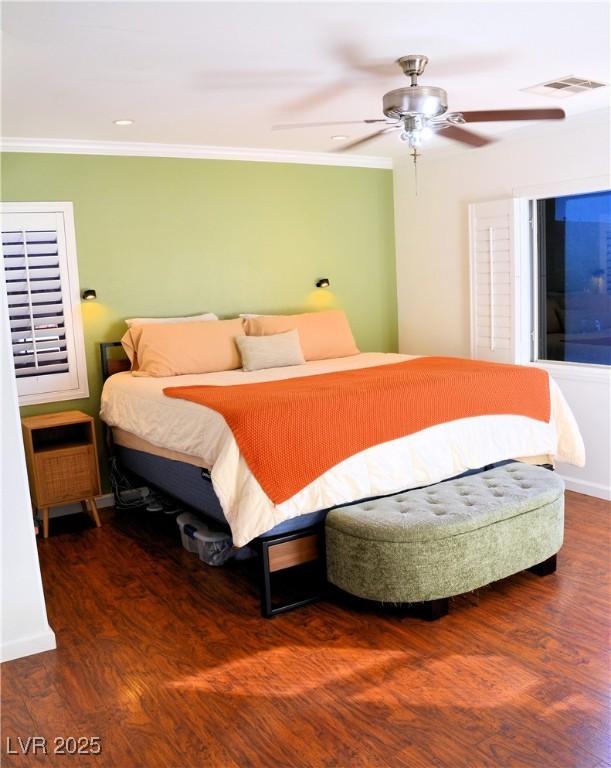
[292, 431]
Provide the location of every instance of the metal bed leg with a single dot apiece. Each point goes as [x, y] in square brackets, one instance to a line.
[265, 580]
[268, 608]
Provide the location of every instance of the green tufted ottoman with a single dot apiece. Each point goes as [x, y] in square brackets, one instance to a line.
[431, 543]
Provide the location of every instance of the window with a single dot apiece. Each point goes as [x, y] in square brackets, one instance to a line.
[574, 278]
[540, 267]
[41, 277]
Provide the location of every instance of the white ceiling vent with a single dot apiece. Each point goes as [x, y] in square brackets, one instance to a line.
[564, 87]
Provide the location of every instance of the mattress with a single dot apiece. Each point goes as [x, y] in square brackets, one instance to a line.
[128, 440]
[138, 406]
[133, 442]
[191, 485]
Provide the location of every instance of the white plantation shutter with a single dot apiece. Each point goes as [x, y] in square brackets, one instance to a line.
[497, 300]
[43, 302]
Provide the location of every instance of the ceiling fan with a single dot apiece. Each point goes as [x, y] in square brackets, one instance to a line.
[419, 111]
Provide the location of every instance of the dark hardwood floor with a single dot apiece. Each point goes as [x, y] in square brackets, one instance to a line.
[169, 663]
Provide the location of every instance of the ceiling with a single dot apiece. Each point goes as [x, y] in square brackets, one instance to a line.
[224, 73]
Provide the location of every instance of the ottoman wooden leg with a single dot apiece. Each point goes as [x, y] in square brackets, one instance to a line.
[435, 609]
[545, 568]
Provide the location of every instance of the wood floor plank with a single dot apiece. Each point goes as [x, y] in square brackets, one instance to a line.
[169, 662]
[526, 752]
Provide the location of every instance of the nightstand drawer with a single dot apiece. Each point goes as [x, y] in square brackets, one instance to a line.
[65, 474]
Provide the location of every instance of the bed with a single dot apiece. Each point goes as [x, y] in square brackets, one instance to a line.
[155, 433]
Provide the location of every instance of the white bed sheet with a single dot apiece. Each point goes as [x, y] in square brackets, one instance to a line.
[139, 406]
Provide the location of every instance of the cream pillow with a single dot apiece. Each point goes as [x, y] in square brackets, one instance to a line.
[174, 349]
[322, 334]
[188, 319]
[274, 351]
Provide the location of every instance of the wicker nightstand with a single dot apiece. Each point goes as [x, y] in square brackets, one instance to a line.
[62, 459]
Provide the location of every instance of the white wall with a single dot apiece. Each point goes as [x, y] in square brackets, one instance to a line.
[433, 251]
[590, 400]
[25, 629]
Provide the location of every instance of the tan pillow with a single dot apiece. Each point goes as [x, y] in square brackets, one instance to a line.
[185, 319]
[127, 341]
[174, 349]
[276, 351]
[322, 334]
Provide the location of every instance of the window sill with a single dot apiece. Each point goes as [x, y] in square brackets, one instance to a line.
[575, 371]
[54, 397]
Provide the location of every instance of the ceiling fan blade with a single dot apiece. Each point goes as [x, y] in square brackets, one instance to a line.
[248, 78]
[465, 137]
[459, 65]
[499, 115]
[290, 126]
[330, 92]
[354, 58]
[365, 139]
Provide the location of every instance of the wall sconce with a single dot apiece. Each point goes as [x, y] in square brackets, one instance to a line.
[89, 295]
[323, 282]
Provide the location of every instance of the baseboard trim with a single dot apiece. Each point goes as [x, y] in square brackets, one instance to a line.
[105, 500]
[598, 490]
[28, 646]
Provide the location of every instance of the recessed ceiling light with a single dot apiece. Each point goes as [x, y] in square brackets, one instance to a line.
[339, 138]
[123, 122]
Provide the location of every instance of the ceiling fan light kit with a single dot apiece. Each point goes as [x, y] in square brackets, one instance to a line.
[419, 111]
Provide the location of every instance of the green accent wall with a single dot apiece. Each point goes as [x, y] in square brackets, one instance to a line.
[167, 236]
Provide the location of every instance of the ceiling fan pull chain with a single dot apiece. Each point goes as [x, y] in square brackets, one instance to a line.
[415, 155]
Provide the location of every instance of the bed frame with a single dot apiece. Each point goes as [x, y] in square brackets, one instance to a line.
[276, 552]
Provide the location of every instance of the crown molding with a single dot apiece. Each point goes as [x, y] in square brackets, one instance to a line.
[193, 151]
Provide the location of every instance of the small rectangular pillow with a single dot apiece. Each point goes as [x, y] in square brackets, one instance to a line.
[187, 319]
[276, 351]
[322, 334]
[174, 349]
